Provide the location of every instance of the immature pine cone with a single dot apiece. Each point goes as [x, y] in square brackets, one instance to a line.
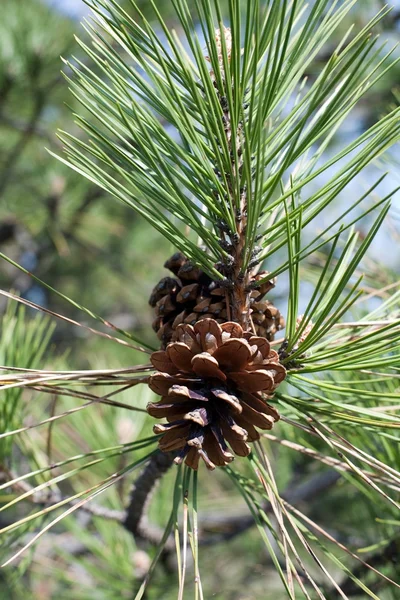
[212, 381]
[193, 296]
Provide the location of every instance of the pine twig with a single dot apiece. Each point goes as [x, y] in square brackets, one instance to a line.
[22, 127]
[388, 554]
[231, 527]
[15, 152]
[136, 520]
[48, 498]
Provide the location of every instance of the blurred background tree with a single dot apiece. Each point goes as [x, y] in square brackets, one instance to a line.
[100, 253]
[52, 221]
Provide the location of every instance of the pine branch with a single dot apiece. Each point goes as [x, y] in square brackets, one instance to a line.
[15, 152]
[248, 166]
[296, 494]
[22, 127]
[5, 89]
[136, 520]
[387, 556]
[48, 499]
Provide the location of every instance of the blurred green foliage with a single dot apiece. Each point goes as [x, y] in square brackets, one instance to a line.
[51, 220]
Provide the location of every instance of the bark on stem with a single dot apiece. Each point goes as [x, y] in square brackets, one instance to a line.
[240, 295]
[240, 279]
[136, 520]
[239, 298]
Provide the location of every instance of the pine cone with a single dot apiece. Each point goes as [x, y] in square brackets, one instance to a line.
[194, 296]
[267, 319]
[212, 381]
[187, 299]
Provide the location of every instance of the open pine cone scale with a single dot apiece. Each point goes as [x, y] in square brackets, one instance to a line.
[212, 381]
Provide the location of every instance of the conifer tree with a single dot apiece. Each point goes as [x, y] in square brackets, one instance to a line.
[213, 133]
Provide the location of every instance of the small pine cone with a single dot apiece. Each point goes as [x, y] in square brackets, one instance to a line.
[261, 289]
[267, 319]
[212, 380]
[174, 263]
[167, 285]
[190, 297]
[194, 296]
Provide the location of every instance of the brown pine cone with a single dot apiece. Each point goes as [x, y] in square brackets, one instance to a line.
[194, 296]
[267, 319]
[189, 298]
[212, 381]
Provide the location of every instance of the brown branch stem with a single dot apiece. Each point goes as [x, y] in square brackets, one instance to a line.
[136, 520]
